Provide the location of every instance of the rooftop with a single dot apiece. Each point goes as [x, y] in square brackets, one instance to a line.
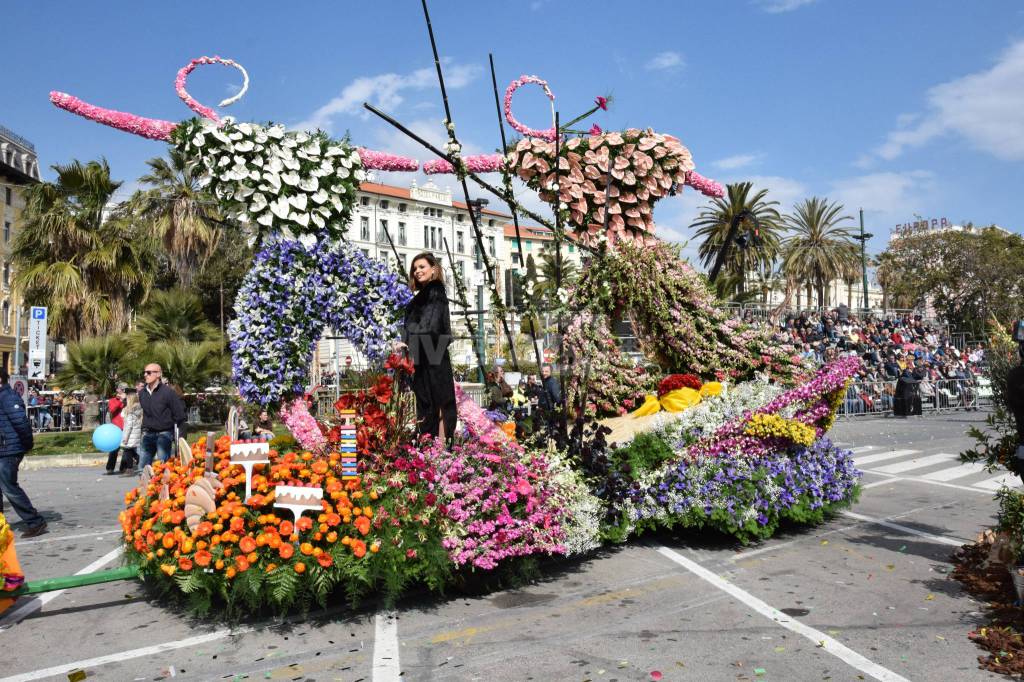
[406, 193]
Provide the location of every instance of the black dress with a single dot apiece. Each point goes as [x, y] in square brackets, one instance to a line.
[428, 333]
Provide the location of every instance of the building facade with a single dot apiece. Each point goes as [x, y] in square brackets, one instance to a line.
[419, 219]
[19, 169]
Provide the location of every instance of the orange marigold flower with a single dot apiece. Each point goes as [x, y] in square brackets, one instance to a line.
[300, 567]
[286, 550]
[242, 563]
[168, 569]
[287, 528]
[304, 523]
[333, 519]
[168, 541]
[358, 548]
[325, 560]
[306, 548]
[332, 537]
[177, 517]
[237, 524]
[230, 573]
[203, 558]
[247, 544]
[185, 564]
[204, 528]
[362, 524]
[219, 564]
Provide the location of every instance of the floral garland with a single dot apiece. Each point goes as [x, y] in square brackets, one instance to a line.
[291, 294]
[204, 111]
[549, 134]
[480, 163]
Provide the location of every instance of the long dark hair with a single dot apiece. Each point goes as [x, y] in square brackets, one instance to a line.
[433, 262]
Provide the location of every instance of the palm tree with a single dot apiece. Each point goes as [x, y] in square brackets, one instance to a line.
[181, 215]
[80, 255]
[173, 316]
[546, 285]
[713, 225]
[191, 366]
[820, 246]
[95, 364]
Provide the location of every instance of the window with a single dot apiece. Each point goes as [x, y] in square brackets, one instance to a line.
[459, 218]
[433, 237]
[383, 235]
[364, 201]
[7, 314]
[460, 244]
[7, 232]
[401, 262]
[490, 223]
[401, 233]
[439, 213]
[515, 258]
[7, 273]
[364, 228]
[426, 237]
[426, 211]
[366, 252]
[8, 196]
[490, 245]
[384, 204]
[401, 208]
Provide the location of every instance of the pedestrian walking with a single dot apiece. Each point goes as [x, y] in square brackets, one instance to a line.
[131, 436]
[163, 417]
[15, 441]
[426, 334]
[115, 406]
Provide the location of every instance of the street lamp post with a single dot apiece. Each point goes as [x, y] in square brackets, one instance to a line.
[863, 239]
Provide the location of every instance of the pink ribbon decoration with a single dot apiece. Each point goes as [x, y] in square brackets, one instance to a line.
[705, 186]
[479, 163]
[383, 161]
[204, 111]
[150, 128]
[548, 134]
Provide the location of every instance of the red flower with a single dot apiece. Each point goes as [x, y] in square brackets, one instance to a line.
[595, 129]
[675, 381]
[601, 102]
[382, 390]
[430, 499]
[400, 363]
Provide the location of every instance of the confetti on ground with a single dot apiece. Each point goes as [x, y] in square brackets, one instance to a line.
[930, 597]
[76, 676]
[779, 649]
[890, 567]
[655, 674]
[623, 664]
[759, 671]
[824, 542]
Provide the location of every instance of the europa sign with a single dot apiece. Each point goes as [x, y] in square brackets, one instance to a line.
[923, 225]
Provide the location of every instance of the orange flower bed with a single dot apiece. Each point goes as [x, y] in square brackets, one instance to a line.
[251, 554]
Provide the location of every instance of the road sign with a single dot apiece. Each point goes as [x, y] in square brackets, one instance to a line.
[20, 385]
[37, 344]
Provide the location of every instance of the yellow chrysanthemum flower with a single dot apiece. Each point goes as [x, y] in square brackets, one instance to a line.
[774, 426]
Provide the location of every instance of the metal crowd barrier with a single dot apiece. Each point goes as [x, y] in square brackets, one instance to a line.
[874, 398]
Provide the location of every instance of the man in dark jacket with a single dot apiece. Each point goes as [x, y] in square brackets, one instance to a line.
[1015, 401]
[15, 441]
[551, 390]
[163, 417]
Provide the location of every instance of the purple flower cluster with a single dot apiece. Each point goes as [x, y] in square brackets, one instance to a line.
[291, 294]
[749, 497]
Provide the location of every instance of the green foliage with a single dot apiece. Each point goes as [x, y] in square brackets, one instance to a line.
[173, 316]
[95, 364]
[996, 444]
[1010, 518]
[645, 453]
[90, 265]
[968, 276]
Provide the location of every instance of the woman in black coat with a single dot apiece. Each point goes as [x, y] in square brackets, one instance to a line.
[427, 333]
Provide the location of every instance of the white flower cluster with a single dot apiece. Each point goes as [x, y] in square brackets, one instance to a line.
[583, 510]
[294, 184]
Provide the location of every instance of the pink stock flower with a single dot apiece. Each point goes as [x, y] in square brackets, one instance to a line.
[303, 425]
[595, 130]
[478, 163]
[384, 161]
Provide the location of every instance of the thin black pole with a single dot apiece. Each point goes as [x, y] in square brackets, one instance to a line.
[398, 259]
[723, 253]
[507, 178]
[563, 422]
[465, 189]
[460, 291]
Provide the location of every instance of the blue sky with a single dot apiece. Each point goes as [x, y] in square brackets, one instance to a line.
[902, 108]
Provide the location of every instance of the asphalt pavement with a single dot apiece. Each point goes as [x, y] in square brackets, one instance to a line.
[863, 596]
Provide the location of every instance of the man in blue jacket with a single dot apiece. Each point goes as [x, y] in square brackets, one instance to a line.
[15, 441]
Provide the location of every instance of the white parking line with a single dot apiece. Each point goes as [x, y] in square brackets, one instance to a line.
[862, 448]
[386, 666]
[829, 644]
[85, 664]
[22, 543]
[36, 603]
[884, 481]
[882, 456]
[955, 472]
[998, 482]
[942, 539]
[931, 460]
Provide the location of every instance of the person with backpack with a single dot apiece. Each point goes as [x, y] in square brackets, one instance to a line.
[15, 441]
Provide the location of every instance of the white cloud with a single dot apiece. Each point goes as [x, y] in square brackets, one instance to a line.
[780, 6]
[736, 161]
[385, 91]
[665, 61]
[984, 108]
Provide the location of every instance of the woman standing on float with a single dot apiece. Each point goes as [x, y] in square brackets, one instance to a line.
[427, 333]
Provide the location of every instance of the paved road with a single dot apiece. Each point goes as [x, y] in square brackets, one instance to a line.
[865, 596]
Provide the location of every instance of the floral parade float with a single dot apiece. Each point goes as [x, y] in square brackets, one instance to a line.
[357, 504]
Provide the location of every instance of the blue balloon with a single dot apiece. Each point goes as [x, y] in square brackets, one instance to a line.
[107, 438]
